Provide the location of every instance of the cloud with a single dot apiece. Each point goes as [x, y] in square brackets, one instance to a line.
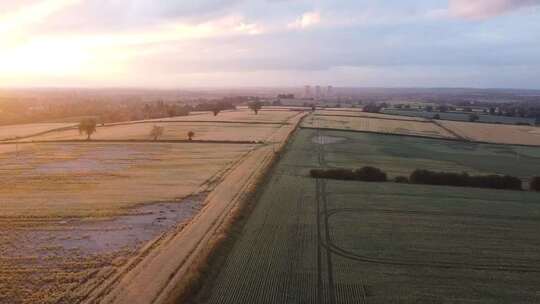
[307, 19]
[481, 9]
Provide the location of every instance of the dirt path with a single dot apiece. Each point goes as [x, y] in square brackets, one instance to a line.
[153, 276]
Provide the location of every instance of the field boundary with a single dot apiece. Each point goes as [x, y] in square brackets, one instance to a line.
[457, 135]
[61, 129]
[421, 136]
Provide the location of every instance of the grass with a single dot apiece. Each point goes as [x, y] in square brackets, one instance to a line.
[312, 240]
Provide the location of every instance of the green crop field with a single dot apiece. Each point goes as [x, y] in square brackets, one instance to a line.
[400, 155]
[317, 241]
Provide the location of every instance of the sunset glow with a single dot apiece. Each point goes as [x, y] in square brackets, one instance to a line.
[140, 42]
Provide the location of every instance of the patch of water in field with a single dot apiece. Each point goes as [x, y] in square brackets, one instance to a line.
[325, 140]
[132, 231]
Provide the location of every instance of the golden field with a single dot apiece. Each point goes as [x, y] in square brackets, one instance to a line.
[92, 179]
[495, 133]
[368, 124]
[172, 131]
[359, 113]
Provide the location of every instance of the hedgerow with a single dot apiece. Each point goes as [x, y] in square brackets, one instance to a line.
[465, 180]
[366, 174]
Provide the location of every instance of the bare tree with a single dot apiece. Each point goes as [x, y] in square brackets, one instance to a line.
[216, 111]
[156, 132]
[88, 127]
[190, 135]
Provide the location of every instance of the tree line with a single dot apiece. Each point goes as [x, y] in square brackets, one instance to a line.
[427, 177]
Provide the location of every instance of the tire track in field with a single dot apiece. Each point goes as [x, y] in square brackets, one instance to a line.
[321, 199]
[319, 242]
[330, 269]
[330, 246]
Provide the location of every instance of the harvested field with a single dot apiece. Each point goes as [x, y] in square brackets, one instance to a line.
[310, 241]
[366, 114]
[16, 131]
[460, 116]
[368, 124]
[172, 131]
[506, 134]
[95, 179]
[242, 115]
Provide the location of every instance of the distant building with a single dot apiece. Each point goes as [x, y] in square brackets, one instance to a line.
[307, 92]
[329, 91]
[318, 92]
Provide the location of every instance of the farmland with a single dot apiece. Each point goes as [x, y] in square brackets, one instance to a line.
[460, 116]
[10, 132]
[524, 135]
[359, 113]
[78, 216]
[241, 125]
[173, 131]
[378, 125]
[353, 120]
[310, 240]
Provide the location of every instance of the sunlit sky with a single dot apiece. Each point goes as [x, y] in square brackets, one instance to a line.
[191, 43]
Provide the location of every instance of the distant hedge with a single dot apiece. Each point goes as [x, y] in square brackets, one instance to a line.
[401, 179]
[465, 180]
[535, 184]
[366, 174]
[427, 177]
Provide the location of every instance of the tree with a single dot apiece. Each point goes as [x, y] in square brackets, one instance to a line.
[190, 135]
[535, 184]
[473, 118]
[88, 127]
[216, 111]
[436, 116]
[156, 132]
[255, 106]
[443, 108]
[372, 108]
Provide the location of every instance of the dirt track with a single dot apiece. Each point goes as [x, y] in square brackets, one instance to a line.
[153, 276]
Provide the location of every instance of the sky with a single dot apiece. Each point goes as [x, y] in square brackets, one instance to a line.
[241, 43]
